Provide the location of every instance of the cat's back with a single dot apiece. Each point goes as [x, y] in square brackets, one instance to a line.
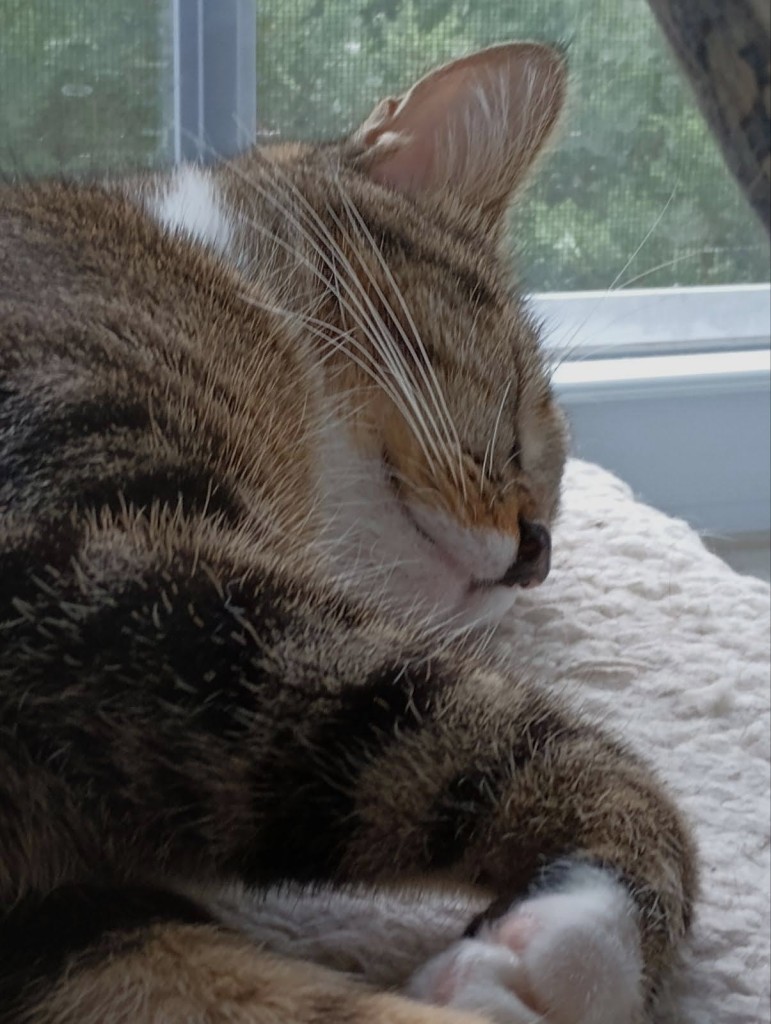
[85, 251]
[133, 368]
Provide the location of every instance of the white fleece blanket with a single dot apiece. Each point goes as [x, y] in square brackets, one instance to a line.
[671, 647]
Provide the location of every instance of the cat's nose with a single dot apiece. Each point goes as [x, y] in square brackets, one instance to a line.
[533, 557]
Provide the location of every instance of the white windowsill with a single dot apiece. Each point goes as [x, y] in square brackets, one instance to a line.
[581, 325]
[676, 399]
[596, 379]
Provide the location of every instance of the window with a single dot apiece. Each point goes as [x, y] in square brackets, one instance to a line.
[636, 193]
[83, 85]
[635, 241]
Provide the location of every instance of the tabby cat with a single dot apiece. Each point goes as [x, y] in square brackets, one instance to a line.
[277, 440]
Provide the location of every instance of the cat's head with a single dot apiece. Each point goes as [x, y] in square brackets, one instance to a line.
[442, 477]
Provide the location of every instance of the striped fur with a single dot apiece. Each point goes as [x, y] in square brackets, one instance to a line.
[224, 445]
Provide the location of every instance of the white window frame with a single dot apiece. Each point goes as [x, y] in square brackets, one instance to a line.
[669, 388]
[214, 78]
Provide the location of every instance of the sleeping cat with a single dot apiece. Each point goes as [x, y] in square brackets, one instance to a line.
[277, 440]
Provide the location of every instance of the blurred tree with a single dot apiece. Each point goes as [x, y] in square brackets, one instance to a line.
[635, 167]
[84, 85]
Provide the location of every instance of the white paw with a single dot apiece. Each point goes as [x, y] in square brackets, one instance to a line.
[569, 956]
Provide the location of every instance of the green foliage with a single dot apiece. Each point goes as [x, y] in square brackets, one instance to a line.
[84, 86]
[81, 85]
[635, 168]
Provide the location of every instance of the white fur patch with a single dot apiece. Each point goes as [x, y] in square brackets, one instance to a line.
[571, 955]
[190, 203]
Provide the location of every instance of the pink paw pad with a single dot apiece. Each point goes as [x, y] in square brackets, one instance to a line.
[516, 930]
[570, 956]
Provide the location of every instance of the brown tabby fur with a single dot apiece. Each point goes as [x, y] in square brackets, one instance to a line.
[182, 695]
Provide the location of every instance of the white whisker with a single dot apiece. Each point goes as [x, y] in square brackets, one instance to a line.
[359, 314]
[415, 344]
[491, 446]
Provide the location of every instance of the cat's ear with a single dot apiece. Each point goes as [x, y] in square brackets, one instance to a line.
[471, 129]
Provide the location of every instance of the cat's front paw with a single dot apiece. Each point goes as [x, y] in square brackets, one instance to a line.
[570, 956]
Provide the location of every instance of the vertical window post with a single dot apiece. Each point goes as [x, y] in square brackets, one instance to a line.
[214, 88]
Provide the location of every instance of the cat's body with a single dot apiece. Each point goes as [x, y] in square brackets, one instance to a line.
[270, 435]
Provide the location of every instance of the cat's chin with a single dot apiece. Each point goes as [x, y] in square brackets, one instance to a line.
[417, 581]
[444, 598]
[484, 607]
[463, 564]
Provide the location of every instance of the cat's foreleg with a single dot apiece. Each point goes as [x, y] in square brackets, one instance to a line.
[303, 745]
[590, 863]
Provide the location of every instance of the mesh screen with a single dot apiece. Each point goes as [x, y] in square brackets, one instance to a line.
[635, 195]
[85, 85]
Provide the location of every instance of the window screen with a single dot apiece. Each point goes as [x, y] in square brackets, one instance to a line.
[635, 194]
[85, 85]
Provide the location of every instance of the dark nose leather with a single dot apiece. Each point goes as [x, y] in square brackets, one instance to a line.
[533, 557]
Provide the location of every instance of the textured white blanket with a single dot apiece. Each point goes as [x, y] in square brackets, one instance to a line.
[663, 641]
[672, 648]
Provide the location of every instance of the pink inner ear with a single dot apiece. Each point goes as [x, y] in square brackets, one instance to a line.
[427, 119]
[472, 127]
[408, 170]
